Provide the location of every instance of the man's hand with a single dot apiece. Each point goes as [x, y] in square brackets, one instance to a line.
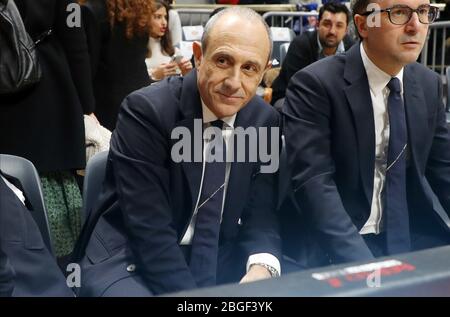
[255, 273]
[185, 66]
[163, 70]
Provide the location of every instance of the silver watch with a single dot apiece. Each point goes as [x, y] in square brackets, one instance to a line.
[273, 271]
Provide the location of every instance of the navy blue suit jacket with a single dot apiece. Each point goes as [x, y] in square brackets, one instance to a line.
[148, 199]
[35, 271]
[330, 137]
[6, 276]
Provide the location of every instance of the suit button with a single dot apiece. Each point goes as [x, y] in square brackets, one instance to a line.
[239, 222]
[131, 268]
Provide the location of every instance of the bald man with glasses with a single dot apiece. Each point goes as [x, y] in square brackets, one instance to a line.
[371, 170]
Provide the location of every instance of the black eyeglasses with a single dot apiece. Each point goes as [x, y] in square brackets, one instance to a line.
[401, 14]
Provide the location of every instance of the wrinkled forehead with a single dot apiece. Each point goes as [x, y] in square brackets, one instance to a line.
[235, 32]
[239, 49]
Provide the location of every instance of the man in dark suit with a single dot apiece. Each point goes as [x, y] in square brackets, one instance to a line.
[35, 271]
[367, 140]
[329, 39]
[147, 235]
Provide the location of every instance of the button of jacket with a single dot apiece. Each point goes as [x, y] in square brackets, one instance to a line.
[131, 268]
[239, 222]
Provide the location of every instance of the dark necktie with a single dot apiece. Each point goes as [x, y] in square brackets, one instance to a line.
[396, 211]
[205, 242]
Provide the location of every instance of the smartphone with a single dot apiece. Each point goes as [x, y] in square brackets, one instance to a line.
[177, 58]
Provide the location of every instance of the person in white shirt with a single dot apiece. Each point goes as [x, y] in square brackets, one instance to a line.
[367, 139]
[163, 58]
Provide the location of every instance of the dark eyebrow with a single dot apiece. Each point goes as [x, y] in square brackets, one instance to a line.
[228, 56]
[222, 54]
[255, 63]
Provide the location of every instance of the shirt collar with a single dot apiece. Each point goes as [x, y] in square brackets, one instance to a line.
[209, 116]
[377, 78]
[340, 49]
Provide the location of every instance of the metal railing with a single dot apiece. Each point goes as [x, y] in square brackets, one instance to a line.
[436, 52]
[190, 17]
[257, 7]
[286, 19]
[198, 14]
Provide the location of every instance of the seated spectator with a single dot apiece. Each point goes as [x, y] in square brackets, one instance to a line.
[161, 52]
[117, 42]
[163, 225]
[329, 39]
[35, 270]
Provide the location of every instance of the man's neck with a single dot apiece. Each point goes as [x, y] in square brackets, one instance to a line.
[327, 51]
[389, 68]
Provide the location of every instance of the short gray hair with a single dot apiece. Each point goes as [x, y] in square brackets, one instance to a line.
[242, 12]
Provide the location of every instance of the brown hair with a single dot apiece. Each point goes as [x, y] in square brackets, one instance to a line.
[135, 14]
[166, 39]
[359, 6]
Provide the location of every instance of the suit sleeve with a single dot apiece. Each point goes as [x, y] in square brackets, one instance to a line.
[139, 153]
[308, 132]
[438, 164]
[260, 232]
[73, 40]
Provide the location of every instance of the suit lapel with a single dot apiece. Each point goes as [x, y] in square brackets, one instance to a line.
[191, 107]
[19, 186]
[358, 96]
[416, 114]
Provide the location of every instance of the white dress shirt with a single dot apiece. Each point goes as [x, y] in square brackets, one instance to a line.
[16, 191]
[379, 93]
[227, 132]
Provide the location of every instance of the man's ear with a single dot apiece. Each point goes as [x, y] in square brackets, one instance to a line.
[268, 66]
[198, 54]
[361, 25]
